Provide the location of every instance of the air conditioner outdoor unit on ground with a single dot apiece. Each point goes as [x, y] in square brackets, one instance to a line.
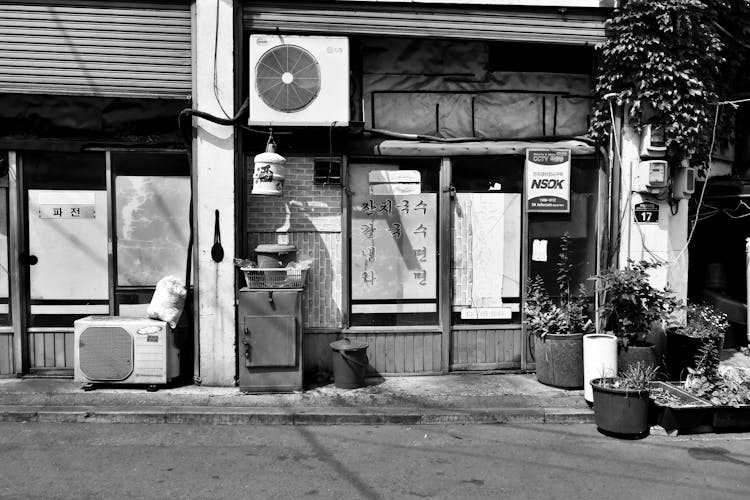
[299, 80]
[124, 350]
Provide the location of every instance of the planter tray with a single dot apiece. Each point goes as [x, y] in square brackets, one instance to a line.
[688, 413]
[731, 418]
[694, 411]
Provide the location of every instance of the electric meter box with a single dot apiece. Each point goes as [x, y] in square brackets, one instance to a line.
[684, 182]
[652, 176]
[653, 140]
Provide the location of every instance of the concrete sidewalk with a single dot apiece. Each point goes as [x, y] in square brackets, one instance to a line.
[469, 398]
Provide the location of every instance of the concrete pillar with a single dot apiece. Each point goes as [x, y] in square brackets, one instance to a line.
[657, 242]
[213, 188]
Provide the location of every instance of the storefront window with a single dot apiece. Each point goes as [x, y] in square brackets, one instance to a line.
[546, 230]
[486, 264]
[152, 196]
[394, 242]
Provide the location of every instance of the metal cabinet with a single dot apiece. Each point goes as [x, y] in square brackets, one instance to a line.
[270, 339]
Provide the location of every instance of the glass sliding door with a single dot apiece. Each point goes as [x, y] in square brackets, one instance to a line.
[67, 257]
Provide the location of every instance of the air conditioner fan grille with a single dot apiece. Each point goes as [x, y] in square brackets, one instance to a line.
[106, 353]
[287, 78]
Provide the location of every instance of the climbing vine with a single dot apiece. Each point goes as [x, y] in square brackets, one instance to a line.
[672, 61]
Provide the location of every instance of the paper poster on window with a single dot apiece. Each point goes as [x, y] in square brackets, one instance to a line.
[548, 180]
[394, 247]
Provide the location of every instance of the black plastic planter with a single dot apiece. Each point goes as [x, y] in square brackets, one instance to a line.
[621, 412]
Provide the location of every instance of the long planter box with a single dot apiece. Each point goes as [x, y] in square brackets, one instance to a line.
[729, 418]
[693, 413]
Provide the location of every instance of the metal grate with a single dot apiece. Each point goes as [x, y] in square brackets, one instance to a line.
[106, 353]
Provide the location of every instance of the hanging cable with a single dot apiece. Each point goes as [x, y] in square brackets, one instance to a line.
[185, 126]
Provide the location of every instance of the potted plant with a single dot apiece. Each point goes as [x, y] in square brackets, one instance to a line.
[621, 403]
[726, 388]
[558, 326]
[630, 308]
[698, 342]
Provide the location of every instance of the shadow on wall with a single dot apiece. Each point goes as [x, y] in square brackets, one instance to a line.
[299, 226]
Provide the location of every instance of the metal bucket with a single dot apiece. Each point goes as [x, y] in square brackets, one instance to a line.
[349, 363]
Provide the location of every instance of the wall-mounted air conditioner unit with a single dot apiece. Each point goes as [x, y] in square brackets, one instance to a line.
[299, 80]
[124, 350]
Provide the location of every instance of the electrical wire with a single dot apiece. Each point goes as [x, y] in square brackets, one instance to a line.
[216, 72]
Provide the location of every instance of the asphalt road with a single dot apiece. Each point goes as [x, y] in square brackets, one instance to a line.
[163, 461]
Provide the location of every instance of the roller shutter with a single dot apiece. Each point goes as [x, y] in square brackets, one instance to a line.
[122, 49]
[549, 25]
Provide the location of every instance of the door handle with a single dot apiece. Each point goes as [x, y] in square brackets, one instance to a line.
[29, 260]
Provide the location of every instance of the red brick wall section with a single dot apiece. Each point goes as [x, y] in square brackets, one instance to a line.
[304, 206]
[309, 216]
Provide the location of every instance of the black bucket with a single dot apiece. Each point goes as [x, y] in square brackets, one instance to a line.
[349, 363]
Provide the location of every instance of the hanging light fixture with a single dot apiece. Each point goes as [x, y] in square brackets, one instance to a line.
[268, 174]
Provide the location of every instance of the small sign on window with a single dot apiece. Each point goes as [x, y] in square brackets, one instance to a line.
[60, 211]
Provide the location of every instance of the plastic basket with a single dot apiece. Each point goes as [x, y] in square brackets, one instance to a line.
[285, 277]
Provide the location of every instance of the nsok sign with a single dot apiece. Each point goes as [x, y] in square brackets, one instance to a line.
[548, 180]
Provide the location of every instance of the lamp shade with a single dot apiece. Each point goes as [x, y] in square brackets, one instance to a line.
[268, 174]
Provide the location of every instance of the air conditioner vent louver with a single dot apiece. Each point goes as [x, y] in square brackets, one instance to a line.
[287, 78]
[106, 353]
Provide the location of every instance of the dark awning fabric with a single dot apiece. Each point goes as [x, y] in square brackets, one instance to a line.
[549, 25]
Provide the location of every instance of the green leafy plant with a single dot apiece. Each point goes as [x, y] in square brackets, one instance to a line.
[704, 321]
[671, 61]
[636, 377]
[630, 305]
[728, 387]
[708, 324]
[545, 316]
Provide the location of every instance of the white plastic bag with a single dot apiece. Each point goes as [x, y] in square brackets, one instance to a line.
[168, 300]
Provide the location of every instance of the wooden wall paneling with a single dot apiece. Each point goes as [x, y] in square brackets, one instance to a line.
[409, 353]
[400, 347]
[390, 353]
[437, 352]
[428, 356]
[69, 344]
[37, 340]
[489, 346]
[49, 349]
[6, 353]
[380, 348]
[59, 348]
[419, 364]
[499, 346]
[471, 347]
[509, 347]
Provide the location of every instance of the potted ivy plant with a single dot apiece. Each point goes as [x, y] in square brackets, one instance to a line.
[558, 326]
[689, 344]
[630, 308]
[621, 403]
